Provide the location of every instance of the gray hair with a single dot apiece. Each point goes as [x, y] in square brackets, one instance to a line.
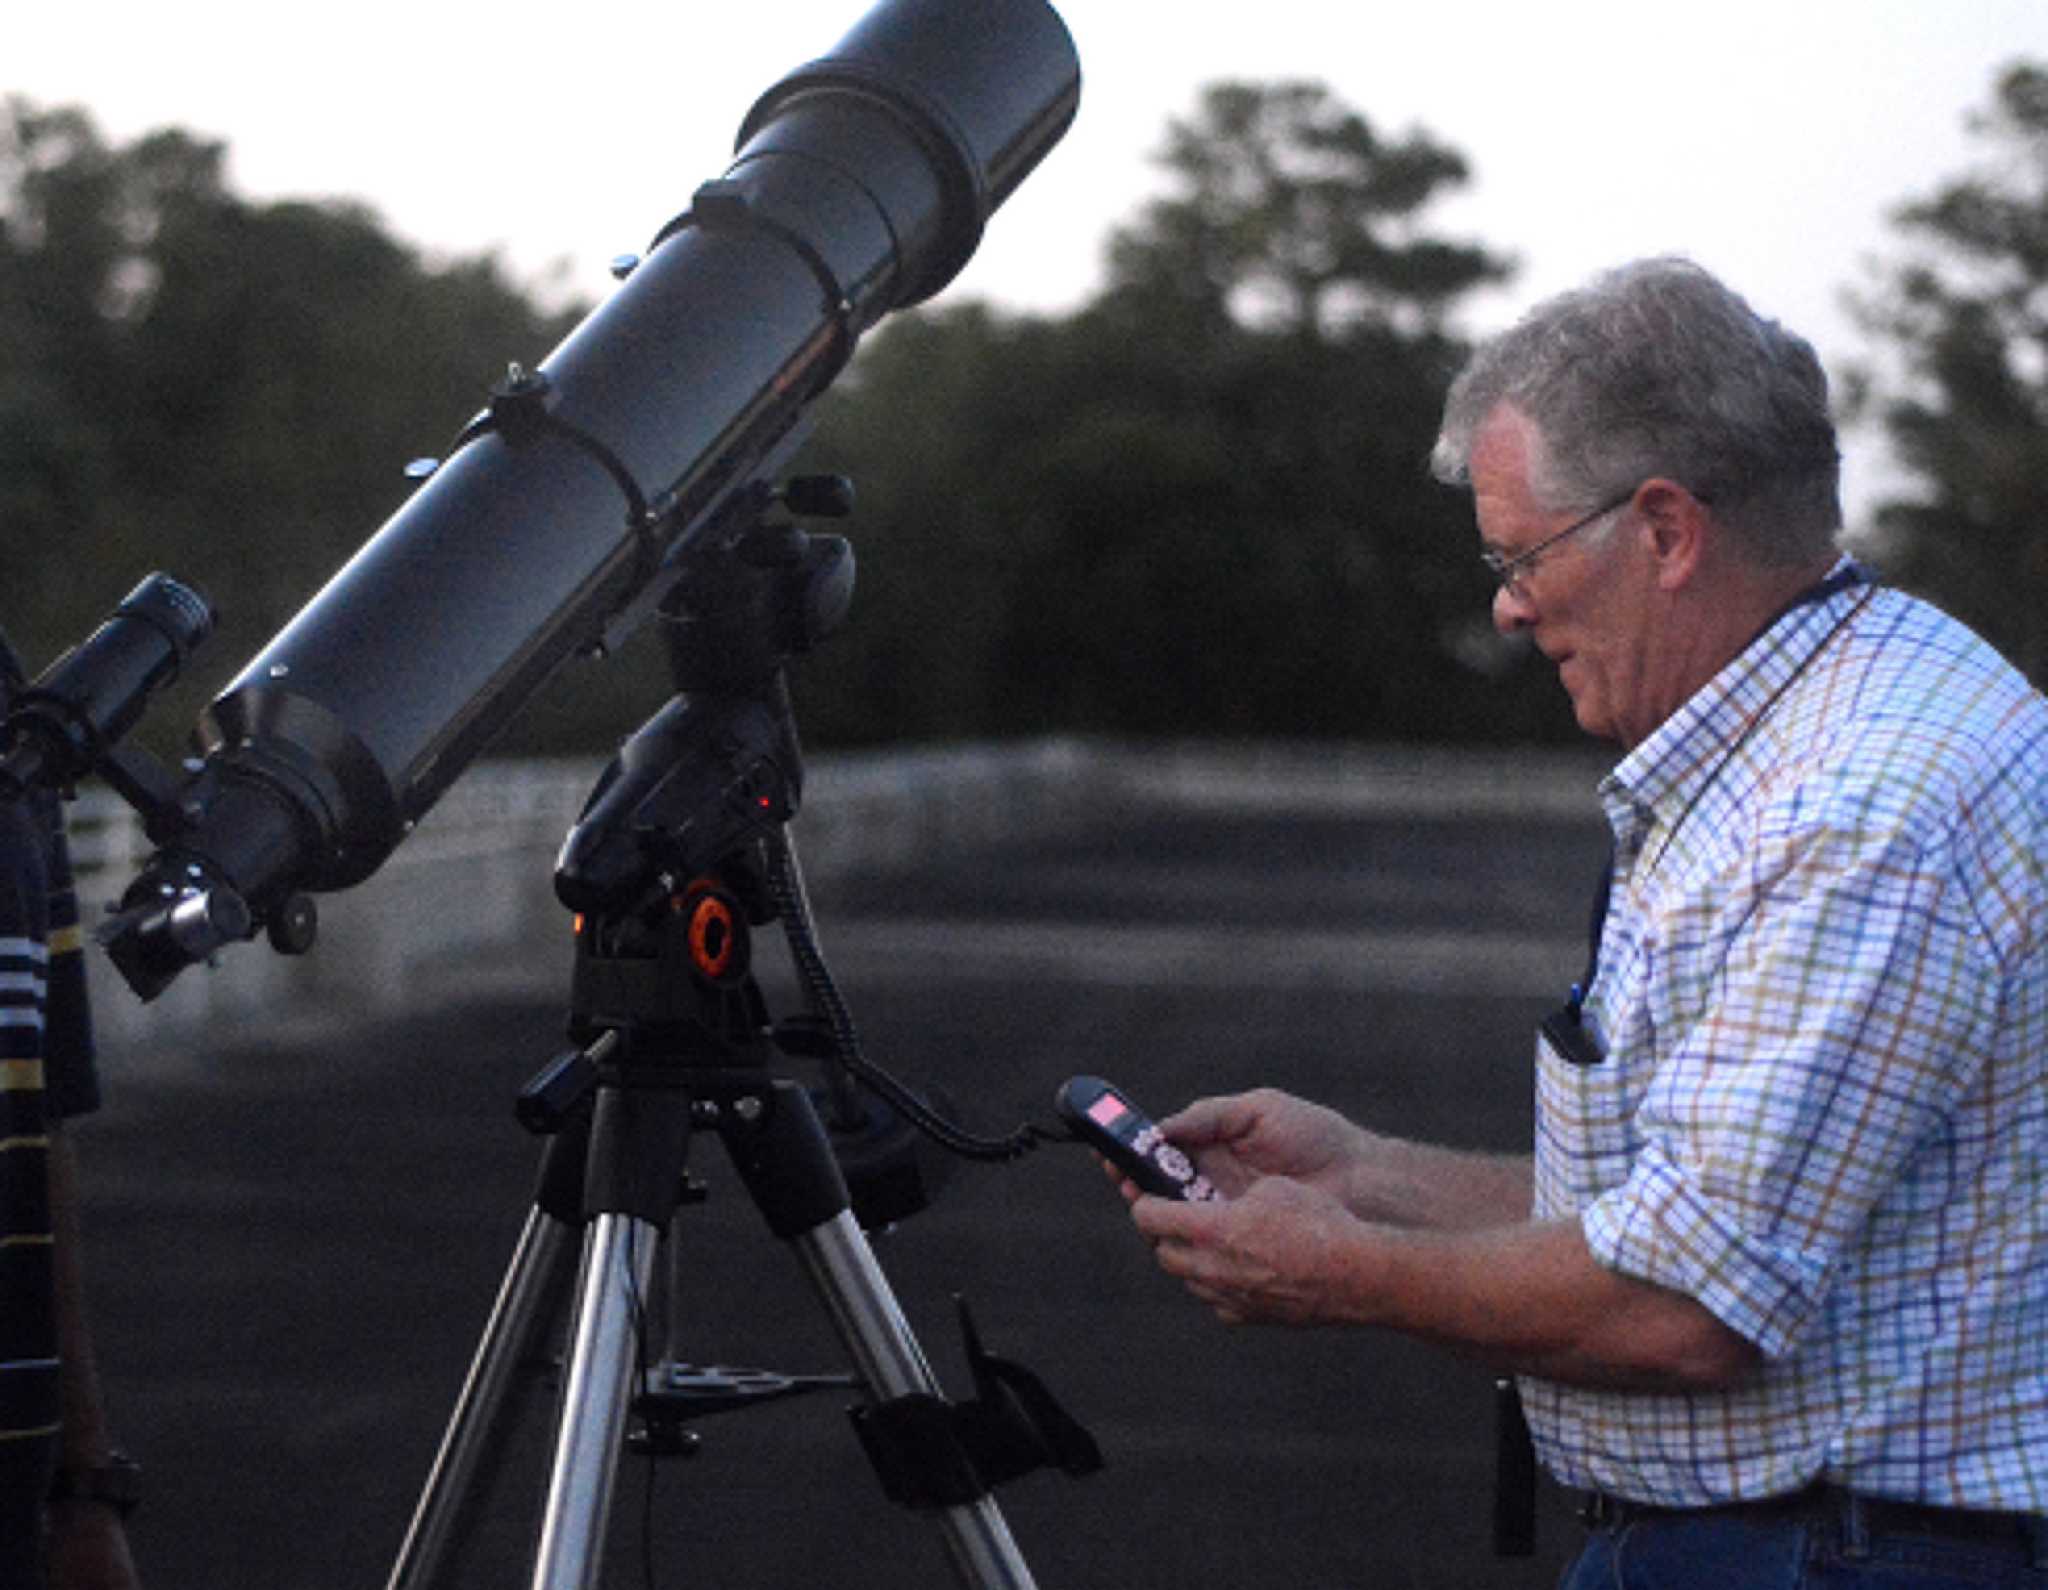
[1658, 369]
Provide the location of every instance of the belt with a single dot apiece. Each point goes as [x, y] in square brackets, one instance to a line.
[1860, 1516]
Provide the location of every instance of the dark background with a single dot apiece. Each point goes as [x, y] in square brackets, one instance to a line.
[297, 1231]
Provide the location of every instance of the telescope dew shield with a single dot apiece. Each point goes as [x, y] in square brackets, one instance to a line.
[985, 89]
[861, 184]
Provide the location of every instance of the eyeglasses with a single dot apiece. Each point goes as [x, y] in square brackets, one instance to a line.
[1510, 572]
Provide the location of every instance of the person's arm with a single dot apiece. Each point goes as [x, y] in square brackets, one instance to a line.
[1420, 1185]
[1327, 1223]
[1528, 1298]
[88, 1538]
[1238, 1139]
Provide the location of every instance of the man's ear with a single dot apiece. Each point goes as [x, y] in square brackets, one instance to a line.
[1675, 523]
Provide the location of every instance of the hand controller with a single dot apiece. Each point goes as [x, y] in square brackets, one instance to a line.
[1129, 1139]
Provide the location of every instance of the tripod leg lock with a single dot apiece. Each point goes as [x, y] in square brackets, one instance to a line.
[932, 1454]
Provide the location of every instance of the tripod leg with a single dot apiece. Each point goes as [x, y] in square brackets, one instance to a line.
[637, 1149]
[782, 1154]
[527, 1303]
[530, 1300]
[618, 1263]
[864, 1311]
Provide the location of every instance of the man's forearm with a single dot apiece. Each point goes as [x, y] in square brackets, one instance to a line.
[1532, 1299]
[1420, 1186]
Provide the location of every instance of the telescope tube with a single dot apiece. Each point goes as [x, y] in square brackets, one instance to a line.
[861, 184]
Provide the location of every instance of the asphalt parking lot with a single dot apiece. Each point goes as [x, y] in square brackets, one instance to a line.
[298, 1226]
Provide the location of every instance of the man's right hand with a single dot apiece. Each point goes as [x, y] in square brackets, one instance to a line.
[1241, 1138]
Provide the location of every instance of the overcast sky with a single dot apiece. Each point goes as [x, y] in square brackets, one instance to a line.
[1766, 138]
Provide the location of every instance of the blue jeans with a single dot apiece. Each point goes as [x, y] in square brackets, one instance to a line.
[1849, 1546]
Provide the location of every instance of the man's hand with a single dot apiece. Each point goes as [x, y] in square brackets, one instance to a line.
[1277, 1254]
[1238, 1140]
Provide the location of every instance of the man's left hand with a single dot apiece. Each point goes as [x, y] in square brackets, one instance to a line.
[1280, 1253]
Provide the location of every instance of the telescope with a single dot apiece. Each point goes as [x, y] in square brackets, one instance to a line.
[861, 184]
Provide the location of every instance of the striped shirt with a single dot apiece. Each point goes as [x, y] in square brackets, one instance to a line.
[1822, 1112]
[46, 1072]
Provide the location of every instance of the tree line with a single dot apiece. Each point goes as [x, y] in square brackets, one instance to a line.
[1197, 505]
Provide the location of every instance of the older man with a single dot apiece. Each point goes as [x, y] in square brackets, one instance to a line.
[1775, 1280]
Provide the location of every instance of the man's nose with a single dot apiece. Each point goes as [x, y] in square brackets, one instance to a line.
[1511, 610]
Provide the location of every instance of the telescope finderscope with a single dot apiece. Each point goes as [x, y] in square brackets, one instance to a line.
[69, 721]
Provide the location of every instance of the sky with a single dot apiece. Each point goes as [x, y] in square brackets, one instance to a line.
[1768, 139]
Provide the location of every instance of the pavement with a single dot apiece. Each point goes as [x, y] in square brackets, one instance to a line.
[298, 1225]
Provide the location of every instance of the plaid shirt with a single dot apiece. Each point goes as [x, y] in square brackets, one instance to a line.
[1822, 1111]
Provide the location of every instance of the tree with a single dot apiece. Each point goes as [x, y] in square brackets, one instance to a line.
[226, 390]
[1966, 313]
[1292, 213]
[59, 235]
[1200, 505]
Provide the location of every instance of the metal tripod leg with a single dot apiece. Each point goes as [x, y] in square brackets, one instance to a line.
[528, 1304]
[781, 1153]
[618, 1262]
[783, 1156]
[842, 1268]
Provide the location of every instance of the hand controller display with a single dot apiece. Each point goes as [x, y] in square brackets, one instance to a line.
[1129, 1139]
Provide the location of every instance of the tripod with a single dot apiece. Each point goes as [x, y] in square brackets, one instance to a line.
[682, 848]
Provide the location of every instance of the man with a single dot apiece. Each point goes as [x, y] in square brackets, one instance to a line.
[64, 1490]
[1775, 1279]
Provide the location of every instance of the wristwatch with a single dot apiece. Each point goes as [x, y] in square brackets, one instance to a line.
[115, 1483]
